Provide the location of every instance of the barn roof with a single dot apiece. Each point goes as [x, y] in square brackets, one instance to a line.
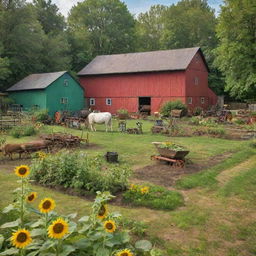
[166, 60]
[36, 81]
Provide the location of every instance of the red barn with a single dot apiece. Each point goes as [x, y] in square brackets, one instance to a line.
[112, 82]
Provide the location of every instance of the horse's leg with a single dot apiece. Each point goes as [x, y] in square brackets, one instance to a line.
[111, 128]
[91, 128]
[106, 126]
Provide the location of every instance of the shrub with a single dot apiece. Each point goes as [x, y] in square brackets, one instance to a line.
[194, 120]
[81, 172]
[170, 105]
[216, 131]
[40, 115]
[122, 111]
[25, 130]
[155, 197]
[197, 111]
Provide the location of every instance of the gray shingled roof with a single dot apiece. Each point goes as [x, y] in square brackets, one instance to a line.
[166, 60]
[36, 81]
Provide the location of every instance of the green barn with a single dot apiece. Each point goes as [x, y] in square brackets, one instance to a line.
[57, 91]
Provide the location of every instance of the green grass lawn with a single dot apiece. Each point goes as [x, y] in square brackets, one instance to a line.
[211, 216]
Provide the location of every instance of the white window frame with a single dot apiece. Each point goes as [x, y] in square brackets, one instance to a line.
[64, 100]
[190, 100]
[196, 80]
[202, 100]
[65, 82]
[108, 101]
[92, 101]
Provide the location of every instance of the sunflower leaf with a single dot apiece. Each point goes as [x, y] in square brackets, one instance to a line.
[9, 208]
[83, 243]
[67, 249]
[31, 209]
[103, 252]
[72, 215]
[37, 224]
[11, 224]
[1, 241]
[11, 251]
[37, 232]
[143, 245]
[84, 219]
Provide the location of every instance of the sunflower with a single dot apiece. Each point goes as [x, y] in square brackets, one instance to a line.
[31, 197]
[125, 252]
[110, 226]
[21, 238]
[46, 205]
[102, 212]
[58, 229]
[41, 155]
[22, 171]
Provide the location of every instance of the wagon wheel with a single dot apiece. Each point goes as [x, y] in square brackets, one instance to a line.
[179, 164]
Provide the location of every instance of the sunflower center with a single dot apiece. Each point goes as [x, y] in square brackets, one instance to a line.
[58, 228]
[31, 197]
[47, 204]
[102, 210]
[22, 171]
[109, 225]
[22, 237]
[124, 254]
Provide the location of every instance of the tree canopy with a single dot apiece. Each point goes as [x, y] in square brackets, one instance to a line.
[236, 52]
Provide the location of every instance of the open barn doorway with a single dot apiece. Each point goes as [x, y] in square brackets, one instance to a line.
[145, 105]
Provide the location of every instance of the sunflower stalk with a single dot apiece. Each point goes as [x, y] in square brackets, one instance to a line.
[22, 203]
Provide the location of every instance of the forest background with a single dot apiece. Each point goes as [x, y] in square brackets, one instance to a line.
[35, 38]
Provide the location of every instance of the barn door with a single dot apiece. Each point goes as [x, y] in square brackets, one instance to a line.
[145, 105]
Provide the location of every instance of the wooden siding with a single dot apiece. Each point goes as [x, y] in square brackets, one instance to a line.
[125, 89]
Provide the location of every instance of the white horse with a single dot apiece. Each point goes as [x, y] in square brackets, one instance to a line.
[100, 118]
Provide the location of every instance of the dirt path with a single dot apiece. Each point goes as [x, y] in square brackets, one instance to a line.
[228, 174]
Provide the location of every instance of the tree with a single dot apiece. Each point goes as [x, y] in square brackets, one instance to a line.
[149, 28]
[236, 53]
[106, 24]
[49, 17]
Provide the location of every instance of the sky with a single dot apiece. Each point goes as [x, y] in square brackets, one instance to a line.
[134, 6]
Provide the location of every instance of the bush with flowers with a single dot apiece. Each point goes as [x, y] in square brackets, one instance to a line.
[50, 234]
[152, 196]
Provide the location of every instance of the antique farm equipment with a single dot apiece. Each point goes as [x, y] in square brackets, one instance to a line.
[170, 153]
[111, 157]
[122, 126]
[145, 109]
[177, 113]
[73, 122]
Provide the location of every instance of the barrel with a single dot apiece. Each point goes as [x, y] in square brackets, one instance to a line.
[111, 157]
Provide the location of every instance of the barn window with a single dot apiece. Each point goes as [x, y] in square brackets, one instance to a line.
[196, 80]
[189, 100]
[65, 82]
[202, 100]
[108, 101]
[64, 101]
[92, 102]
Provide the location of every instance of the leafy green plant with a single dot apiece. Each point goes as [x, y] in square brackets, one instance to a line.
[171, 146]
[216, 131]
[122, 111]
[155, 197]
[81, 172]
[40, 115]
[197, 111]
[170, 105]
[25, 130]
[47, 233]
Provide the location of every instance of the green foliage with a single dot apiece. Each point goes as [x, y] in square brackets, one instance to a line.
[155, 197]
[41, 115]
[103, 27]
[171, 146]
[170, 105]
[122, 111]
[20, 131]
[81, 172]
[235, 53]
[208, 177]
[220, 132]
[90, 235]
[197, 111]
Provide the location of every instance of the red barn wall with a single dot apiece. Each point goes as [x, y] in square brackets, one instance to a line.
[125, 89]
[197, 69]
